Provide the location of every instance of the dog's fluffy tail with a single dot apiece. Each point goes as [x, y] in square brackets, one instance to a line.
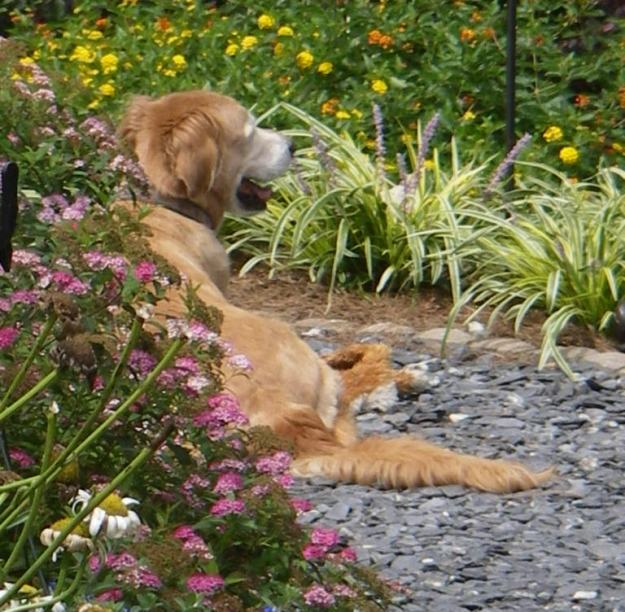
[407, 462]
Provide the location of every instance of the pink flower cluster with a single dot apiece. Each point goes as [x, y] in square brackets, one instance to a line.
[207, 584]
[19, 456]
[224, 507]
[100, 261]
[275, 464]
[141, 363]
[223, 410]
[128, 570]
[8, 335]
[64, 282]
[318, 596]
[192, 543]
[145, 271]
[321, 542]
[189, 486]
[228, 482]
[56, 207]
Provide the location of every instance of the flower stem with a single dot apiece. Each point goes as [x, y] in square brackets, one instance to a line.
[19, 377]
[95, 501]
[37, 494]
[40, 386]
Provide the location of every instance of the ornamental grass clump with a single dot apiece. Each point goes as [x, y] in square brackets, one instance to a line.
[557, 248]
[341, 217]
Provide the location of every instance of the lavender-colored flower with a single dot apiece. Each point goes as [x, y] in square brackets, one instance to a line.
[25, 258]
[223, 409]
[187, 365]
[275, 464]
[24, 296]
[141, 362]
[228, 482]
[318, 596]
[5, 305]
[143, 577]
[224, 507]
[68, 283]
[260, 490]
[198, 332]
[8, 335]
[44, 94]
[380, 149]
[505, 166]
[327, 163]
[342, 590]
[426, 137]
[205, 583]
[228, 464]
[195, 384]
[76, 211]
[240, 362]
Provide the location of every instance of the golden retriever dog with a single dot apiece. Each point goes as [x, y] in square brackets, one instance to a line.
[202, 152]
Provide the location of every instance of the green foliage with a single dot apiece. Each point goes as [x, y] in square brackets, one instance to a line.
[557, 247]
[338, 216]
[333, 59]
[103, 397]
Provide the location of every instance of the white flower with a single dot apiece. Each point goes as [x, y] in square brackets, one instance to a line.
[112, 517]
[75, 540]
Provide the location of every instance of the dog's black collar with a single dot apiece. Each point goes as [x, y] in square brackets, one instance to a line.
[186, 208]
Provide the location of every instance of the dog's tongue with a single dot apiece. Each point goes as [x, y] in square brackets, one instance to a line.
[253, 196]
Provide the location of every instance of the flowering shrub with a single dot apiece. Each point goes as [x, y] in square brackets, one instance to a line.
[126, 481]
[334, 59]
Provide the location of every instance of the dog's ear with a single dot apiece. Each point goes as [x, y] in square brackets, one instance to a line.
[195, 151]
[133, 121]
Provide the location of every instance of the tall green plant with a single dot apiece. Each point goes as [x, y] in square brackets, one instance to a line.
[557, 247]
[339, 216]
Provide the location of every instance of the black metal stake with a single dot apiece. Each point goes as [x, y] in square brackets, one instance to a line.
[510, 95]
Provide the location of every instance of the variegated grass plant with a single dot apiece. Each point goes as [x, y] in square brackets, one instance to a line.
[553, 245]
[340, 216]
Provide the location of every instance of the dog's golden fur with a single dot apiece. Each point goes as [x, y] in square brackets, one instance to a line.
[199, 150]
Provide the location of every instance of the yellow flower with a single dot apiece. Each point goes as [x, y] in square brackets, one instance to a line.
[552, 134]
[618, 147]
[168, 72]
[232, 49]
[266, 22]
[186, 33]
[107, 89]
[304, 59]
[342, 115]
[285, 31]
[248, 42]
[278, 49]
[27, 61]
[87, 81]
[428, 164]
[569, 155]
[82, 54]
[95, 35]
[109, 63]
[407, 138]
[179, 61]
[325, 68]
[468, 116]
[379, 86]
[356, 113]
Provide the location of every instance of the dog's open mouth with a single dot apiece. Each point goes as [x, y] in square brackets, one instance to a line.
[252, 196]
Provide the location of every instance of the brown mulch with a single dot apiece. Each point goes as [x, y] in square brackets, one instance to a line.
[291, 296]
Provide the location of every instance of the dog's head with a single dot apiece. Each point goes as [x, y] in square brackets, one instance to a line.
[205, 148]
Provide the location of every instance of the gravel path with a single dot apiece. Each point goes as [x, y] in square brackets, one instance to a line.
[557, 548]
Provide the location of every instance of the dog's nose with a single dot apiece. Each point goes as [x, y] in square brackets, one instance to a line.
[292, 148]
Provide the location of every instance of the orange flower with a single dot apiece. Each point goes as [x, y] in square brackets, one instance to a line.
[329, 106]
[476, 17]
[621, 97]
[467, 34]
[386, 41]
[163, 24]
[373, 38]
[489, 33]
[581, 100]
[101, 23]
